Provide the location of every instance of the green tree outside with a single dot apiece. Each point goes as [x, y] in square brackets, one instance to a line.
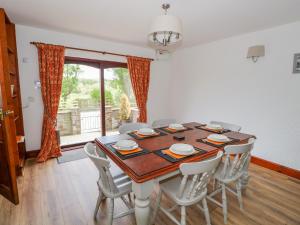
[120, 85]
[70, 80]
[75, 87]
[95, 95]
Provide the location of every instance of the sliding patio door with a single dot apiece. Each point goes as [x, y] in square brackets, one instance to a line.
[120, 104]
[96, 99]
[79, 113]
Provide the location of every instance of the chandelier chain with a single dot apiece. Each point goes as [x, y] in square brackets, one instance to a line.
[165, 7]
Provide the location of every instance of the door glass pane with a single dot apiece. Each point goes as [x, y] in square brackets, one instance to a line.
[79, 115]
[120, 104]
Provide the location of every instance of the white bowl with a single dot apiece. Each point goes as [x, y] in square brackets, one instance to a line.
[176, 126]
[218, 138]
[146, 131]
[214, 126]
[126, 145]
[182, 149]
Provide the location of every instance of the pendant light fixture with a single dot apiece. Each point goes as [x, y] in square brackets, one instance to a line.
[166, 29]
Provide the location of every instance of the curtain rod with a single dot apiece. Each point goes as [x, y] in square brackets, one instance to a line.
[95, 51]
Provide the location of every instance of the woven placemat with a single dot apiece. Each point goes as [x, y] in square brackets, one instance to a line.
[111, 148]
[204, 140]
[133, 134]
[174, 132]
[202, 127]
[173, 160]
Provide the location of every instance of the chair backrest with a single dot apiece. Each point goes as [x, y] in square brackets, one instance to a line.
[105, 181]
[99, 152]
[162, 122]
[128, 127]
[229, 126]
[237, 160]
[200, 173]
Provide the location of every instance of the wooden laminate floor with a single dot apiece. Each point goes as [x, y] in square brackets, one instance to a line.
[65, 194]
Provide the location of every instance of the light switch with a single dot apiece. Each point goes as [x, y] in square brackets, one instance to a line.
[37, 84]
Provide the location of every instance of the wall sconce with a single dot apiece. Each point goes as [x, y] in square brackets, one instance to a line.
[255, 52]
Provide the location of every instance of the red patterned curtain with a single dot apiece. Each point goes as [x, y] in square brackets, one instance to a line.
[139, 70]
[51, 65]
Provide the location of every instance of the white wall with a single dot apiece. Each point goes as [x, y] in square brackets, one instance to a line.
[208, 82]
[29, 73]
[215, 81]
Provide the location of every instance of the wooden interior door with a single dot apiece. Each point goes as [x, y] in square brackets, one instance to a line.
[8, 145]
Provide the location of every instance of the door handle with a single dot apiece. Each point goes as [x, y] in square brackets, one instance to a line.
[5, 113]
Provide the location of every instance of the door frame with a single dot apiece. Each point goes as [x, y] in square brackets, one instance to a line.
[101, 65]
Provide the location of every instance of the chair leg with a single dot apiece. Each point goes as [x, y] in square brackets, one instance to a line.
[224, 203]
[99, 200]
[110, 211]
[206, 212]
[183, 215]
[157, 204]
[245, 179]
[239, 193]
[214, 184]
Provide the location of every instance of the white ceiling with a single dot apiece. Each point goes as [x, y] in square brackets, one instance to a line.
[128, 20]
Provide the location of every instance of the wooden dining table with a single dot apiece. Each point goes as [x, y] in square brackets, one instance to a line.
[147, 169]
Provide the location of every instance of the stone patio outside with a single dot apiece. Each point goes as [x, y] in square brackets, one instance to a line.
[83, 124]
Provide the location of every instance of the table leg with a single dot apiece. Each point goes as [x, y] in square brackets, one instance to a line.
[142, 193]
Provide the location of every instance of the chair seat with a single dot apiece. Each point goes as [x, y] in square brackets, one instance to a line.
[170, 188]
[218, 175]
[122, 181]
[115, 170]
[124, 185]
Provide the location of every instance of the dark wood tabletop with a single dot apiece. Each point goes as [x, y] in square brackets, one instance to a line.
[149, 166]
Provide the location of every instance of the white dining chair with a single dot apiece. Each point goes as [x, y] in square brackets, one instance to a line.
[128, 127]
[228, 126]
[110, 186]
[231, 171]
[115, 170]
[162, 122]
[188, 189]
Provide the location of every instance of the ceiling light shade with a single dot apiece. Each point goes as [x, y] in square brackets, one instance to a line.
[166, 29]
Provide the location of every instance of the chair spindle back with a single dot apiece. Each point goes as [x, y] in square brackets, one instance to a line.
[200, 174]
[233, 169]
